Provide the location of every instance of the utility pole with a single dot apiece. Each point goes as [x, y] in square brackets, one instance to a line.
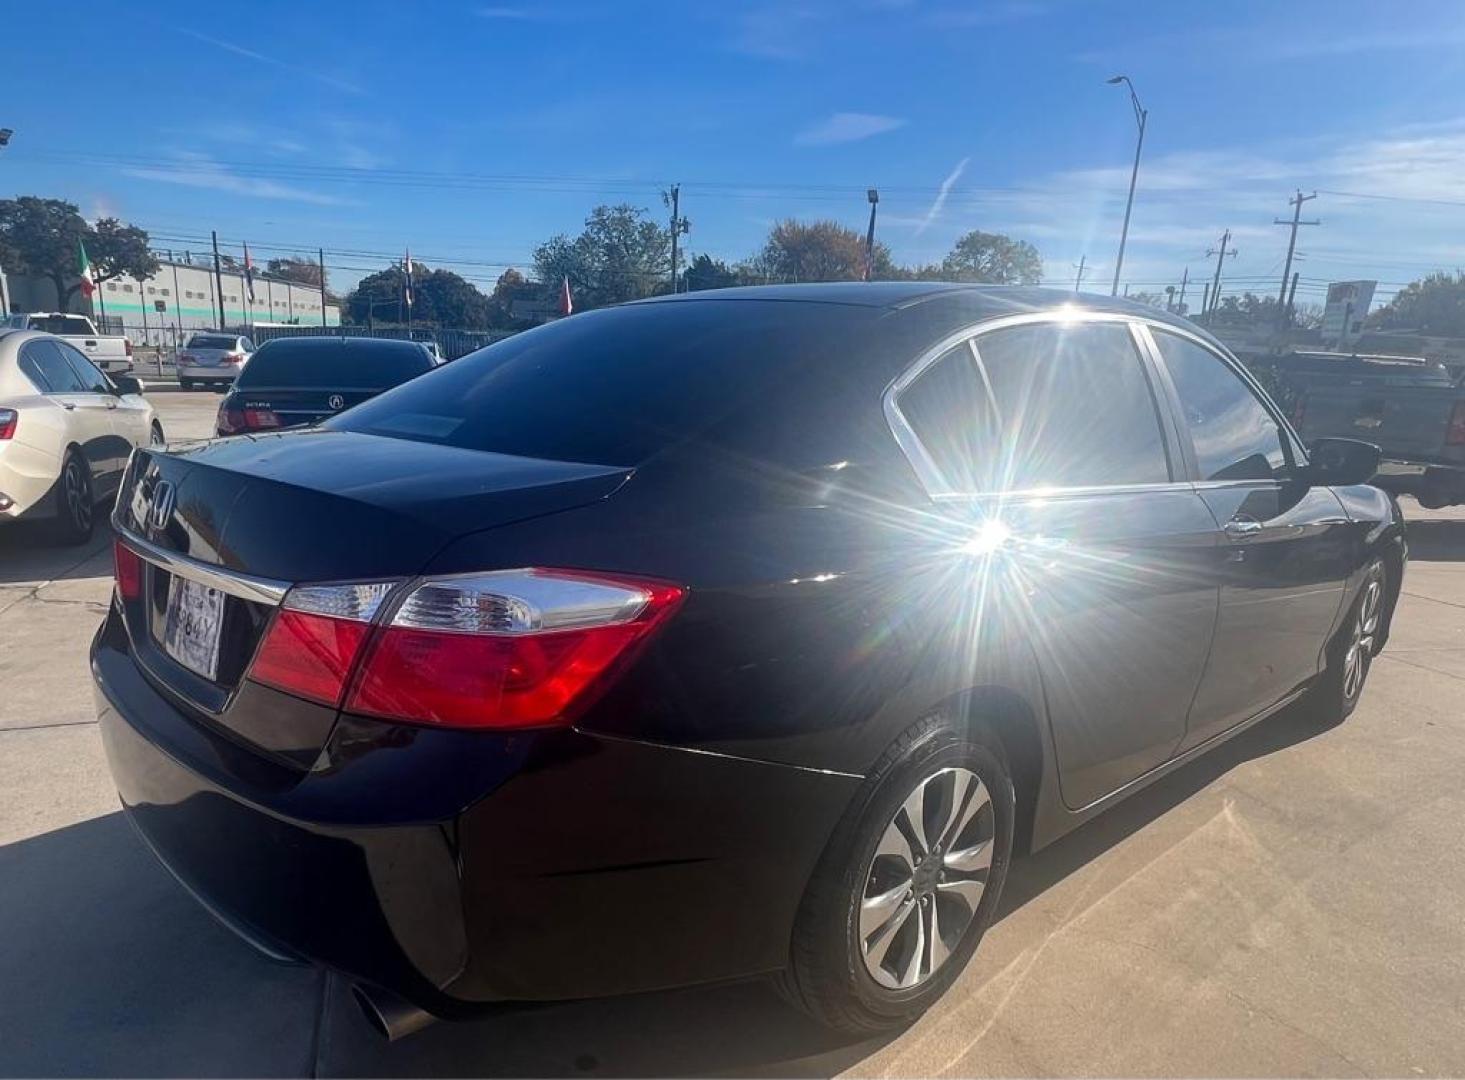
[1184, 281]
[1296, 203]
[1292, 293]
[676, 227]
[321, 255]
[1221, 253]
[218, 279]
[873, 195]
[1078, 280]
[1205, 300]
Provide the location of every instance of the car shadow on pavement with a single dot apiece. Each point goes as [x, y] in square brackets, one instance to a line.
[29, 555]
[110, 968]
[1436, 540]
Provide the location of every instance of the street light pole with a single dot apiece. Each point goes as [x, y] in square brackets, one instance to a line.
[874, 197]
[1140, 116]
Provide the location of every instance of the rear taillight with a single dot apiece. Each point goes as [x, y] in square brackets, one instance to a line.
[185, 358]
[127, 345]
[126, 571]
[1299, 411]
[315, 639]
[9, 421]
[232, 421]
[233, 358]
[510, 649]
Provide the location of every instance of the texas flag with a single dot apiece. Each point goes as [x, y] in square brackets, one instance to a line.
[407, 277]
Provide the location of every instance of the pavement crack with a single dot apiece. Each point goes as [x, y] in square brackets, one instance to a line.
[53, 724]
[1422, 667]
[1433, 599]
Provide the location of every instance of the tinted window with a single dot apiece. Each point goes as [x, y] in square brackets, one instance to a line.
[90, 375]
[372, 365]
[615, 386]
[43, 362]
[1235, 437]
[951, 413]
[210, 341]
[1068, 406]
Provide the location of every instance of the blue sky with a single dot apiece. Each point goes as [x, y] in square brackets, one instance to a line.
[473, 131]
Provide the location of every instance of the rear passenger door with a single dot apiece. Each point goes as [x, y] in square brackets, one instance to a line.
[1047, 441]
[88, 415]
[1285, 548]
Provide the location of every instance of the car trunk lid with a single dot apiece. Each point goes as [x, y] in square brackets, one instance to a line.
[295, 406]
[226, 527]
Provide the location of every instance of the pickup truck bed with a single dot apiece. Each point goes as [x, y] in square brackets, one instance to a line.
[110, 352]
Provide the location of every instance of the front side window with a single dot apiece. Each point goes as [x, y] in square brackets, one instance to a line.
[1235, 437]
[90, 375]
[1048, 406]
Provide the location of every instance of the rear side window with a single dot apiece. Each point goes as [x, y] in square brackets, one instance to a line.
[1048, 405]
[1235, 437]
[334, 366]
[44, 365]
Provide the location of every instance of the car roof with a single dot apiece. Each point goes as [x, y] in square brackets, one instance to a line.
[955, 302]
[325, 342]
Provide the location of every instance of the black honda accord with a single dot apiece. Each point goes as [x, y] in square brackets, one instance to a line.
[721, 635]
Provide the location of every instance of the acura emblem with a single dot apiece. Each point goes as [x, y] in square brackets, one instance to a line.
[164, 496]
[336, 401]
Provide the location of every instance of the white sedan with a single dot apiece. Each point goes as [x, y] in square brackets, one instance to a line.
[66, 432]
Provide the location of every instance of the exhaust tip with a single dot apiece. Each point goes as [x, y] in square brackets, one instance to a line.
[389, 1016]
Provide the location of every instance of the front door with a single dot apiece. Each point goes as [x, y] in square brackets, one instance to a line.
[1049, 447]
[1284, 551]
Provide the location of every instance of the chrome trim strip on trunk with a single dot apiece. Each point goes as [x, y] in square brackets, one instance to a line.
[260, 590]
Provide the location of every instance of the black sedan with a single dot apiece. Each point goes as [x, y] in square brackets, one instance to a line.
[293, 381]
[721, 635]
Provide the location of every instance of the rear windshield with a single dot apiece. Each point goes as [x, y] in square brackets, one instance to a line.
[374, 365]
[61, 324]
[211, 341]
[608, 387]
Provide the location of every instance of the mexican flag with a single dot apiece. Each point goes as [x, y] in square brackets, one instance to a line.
[84, 268]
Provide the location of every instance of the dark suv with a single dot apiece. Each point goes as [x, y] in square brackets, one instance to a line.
[727, 634]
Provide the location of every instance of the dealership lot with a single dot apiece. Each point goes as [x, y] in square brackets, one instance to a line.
[1287, 905]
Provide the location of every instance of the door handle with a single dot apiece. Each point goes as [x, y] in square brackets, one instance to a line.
[93, 344]
[1240, 528]
[68, 406]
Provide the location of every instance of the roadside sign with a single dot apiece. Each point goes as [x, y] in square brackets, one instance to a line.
[160, 306]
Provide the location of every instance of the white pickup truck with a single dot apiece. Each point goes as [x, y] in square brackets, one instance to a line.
[110, 352]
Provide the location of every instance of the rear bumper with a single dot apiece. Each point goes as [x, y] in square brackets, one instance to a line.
[27, 477]
[208, 374]
[457, 869]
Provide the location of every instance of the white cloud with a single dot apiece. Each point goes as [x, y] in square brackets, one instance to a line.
[847, 127]
[939, 202]
[195, 170]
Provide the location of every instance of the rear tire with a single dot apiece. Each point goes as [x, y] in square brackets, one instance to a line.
[886, 925]
[75, 501]
[1350, 656]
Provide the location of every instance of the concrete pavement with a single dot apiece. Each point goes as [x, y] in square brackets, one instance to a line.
[1288, 905]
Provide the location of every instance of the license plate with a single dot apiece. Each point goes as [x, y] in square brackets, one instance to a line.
[192, 626]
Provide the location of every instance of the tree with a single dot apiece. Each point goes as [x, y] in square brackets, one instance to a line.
[300, 270]
[818, 251]
[618, 256]
[510, 286]
[1434, 305]
[43, 237]
[705, 272]
[439, 298]
[1153, 299]
[993, 259]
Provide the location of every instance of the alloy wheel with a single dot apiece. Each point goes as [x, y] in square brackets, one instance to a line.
[1362, 638]
[926, 878]
[78, 496]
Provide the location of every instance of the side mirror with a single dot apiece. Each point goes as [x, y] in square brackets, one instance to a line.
[127, 384]
[1342, 461]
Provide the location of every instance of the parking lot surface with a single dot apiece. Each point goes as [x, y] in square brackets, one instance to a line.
[1290, 904]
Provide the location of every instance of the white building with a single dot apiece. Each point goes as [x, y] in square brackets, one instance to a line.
[181, 297]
